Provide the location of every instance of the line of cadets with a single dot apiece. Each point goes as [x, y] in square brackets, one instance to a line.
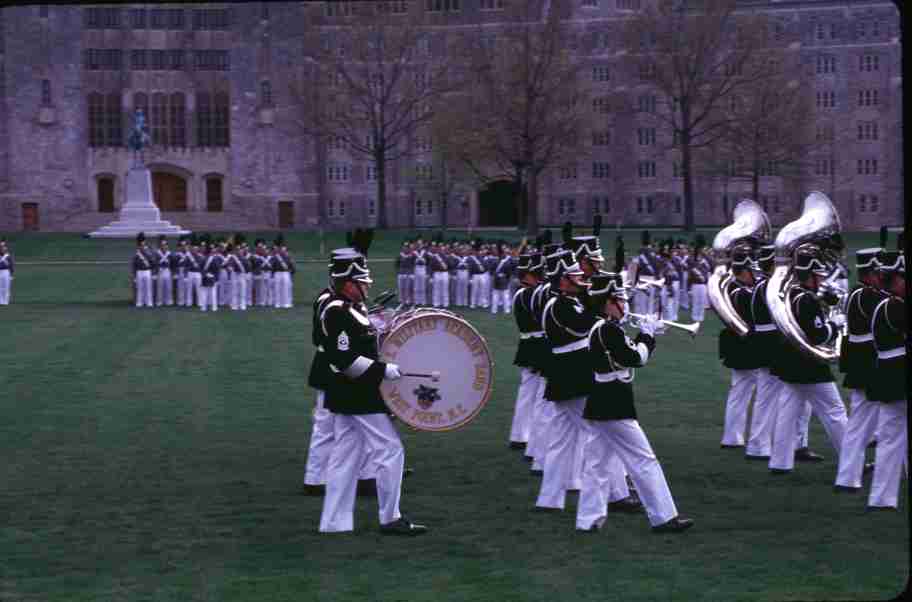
[790, 386]
[7, 269]
[575, 413]
[212, 274]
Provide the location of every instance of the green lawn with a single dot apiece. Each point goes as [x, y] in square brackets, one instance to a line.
[157, 455]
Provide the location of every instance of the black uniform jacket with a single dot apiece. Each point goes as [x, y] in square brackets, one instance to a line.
[567, 323]
[889, 326]
[140, 262]
[790, 364]
[351, 349]
[613, 356]
[857, 356]
[210, 268]
[737, 352]
[532, 344]
[320, 375]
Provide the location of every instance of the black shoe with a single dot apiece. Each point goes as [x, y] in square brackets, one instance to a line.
[845, 489]
[403, 527]
[630, 486]
[804, 454]
[313, 490]
[727, 446]
[407, 472]
[675, 525]
[779, 471]
[536, 473]
[750, 458]
[546, 510]
[627, 505]
[517, 445]
[868, 468]
[872, 444]
[367, 488]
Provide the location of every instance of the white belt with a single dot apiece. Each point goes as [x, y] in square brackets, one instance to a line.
[891, 353]
[531, 335]
[607, 377]
[764, 327]
[860, 338]
[575, 346]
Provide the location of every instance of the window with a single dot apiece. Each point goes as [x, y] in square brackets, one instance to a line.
[826, 64]
[819, 31]
[628, 4]
[419, 209]
[158, 60]
[211, 19]
[212, 60]
[339, 8]
[204, 119]
[423, 144]
[869, 62]
[330, 208]
[336, 143]
[138, 18]
[868, 203]
[104, 59]
[492, 4]
[646, 103]
[824, 167]
[601, 73]
[338, 173]
[213, 194]
[567, 172]
[601, 104]
[860, 29]
[266, 93]
[867, 130]
[867, 167]
[646, 169]
[45, 93]
[601, 170]
[371, 173]
[768, 168]
[396, 7]
[826, 100]
[424, 171]
[176, 18]
[341, 209]
[221, 124]
[647, 70]
[645, 202]
[867, 98]
[824, 133]
[157, 120]
[677, 170]
[101, 18]
[566, 206]
[436, 6]
[591, 3]
[158, 18]
[96, 120]
[601, 205]
[176, 59]
[601, 138]
[371, 207]
[678, 204]
[176, 120]
[646, 136]
[137, 59]
[114, 123]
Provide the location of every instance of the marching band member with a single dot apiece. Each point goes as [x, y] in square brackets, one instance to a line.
[698, 269]
[440, 275]
[288, 278]
[500, 296]
[679, 261]
[476, 267]
[419, 277]
[361, 423]
[223, 284]
[238, 270]
[888, 388]
[163, 293]
[737, 353]
[610, 417]
[670, 292]
[258, 268]
[806, 379]
[566, 323]
[7, 269]
[194, 261]
[644, 300]
[267, 275]
[529, 350]
[857, 359]
[210, 274]
[247, 259]
[462, 277]
[489, 262]
[282, 267]
[179, 272]
[141, 267]
[452, 261]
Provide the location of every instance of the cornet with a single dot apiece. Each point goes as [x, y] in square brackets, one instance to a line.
[645, 282]
[635, 320]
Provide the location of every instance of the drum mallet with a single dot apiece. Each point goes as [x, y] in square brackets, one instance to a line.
[434, 376]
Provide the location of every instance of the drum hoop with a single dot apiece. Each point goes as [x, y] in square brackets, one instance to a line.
[487, 395]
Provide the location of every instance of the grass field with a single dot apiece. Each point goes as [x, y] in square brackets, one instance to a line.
[157, 455]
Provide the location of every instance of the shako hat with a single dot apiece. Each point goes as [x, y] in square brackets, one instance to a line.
[587, 247]
[531, 262]
[607, 284]
[868, 259]
[349, 264]
[562, 263]
[893, 262]
[807, 259]
[766, 253]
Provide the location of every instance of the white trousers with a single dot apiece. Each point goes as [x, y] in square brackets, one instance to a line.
[224, 287]
[357, 438]
[6, 286]
[259, 289]
[769, 387]
[402, 285]
[248, 289]
[163, 292]
[643, 301]
[441, 289]
[616, 445]
[144, 288]
[209, 297]
[563, 460]
[477, 299]
[698, 302]
[542, 410]
[462, 288]
[486, 290]
[683, 297]
[180, 289]
[419, 286]
[891, 453]
[321, 441]
[269, 289]
[743, 383]
[670, 302]
[501, 297]
[194, 286]
[239, 292]
[826, 404]
[858, 433]
[281, 295]
[525, 401]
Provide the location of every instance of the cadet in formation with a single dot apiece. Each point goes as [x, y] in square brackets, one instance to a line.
[7, 269]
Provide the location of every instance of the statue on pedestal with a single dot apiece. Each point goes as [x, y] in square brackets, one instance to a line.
[139, 138]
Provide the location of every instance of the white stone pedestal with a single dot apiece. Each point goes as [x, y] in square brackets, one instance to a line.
[139, 213]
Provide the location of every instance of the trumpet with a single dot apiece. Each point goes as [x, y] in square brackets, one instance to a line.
[692, 329]
[645, 282]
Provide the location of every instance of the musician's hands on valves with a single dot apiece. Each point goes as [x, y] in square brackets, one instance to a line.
[650, 325]
[392, 372]
[838, 320]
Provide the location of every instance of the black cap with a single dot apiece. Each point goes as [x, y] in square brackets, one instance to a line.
[587, 247]
[808, 260]
[550, 249]
[893, 262]
[868, 259]
[531, 262]
[607, 284]
[742, 257]
[349, 264]
[766, 253]
[562, 263]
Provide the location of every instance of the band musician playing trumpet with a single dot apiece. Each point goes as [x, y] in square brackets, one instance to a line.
[610, 416]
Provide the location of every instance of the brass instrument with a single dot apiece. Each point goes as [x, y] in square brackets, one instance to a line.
[752, 225]
[816, 227]
[645, 282]
[693, 328]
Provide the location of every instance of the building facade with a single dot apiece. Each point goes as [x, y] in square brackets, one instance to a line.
[227, 153]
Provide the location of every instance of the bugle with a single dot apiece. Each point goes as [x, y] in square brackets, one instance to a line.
[692, 328]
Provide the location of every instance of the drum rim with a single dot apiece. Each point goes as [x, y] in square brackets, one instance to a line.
[484, 401]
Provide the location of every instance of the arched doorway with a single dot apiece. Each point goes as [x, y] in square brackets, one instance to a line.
[169, 191]
[498, 204]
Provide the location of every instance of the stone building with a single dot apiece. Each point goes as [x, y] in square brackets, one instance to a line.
[227, 155]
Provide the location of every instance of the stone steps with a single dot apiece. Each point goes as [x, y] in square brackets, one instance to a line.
[193, 221]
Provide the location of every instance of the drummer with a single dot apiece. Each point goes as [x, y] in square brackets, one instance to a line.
[361, 422]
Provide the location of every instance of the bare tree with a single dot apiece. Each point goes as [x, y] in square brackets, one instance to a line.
[696, 55]
[522, 112]
[367, 88]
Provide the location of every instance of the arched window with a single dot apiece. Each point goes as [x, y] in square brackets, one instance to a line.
[96, 120]
[158, 120]
[114, 120]
[203, 119]
[213, 194]
[178, 130]
[222, 115]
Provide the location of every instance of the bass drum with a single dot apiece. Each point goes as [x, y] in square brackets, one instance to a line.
[439, 343]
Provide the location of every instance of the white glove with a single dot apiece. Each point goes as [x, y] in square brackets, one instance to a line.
[649, 325]
[392, 372]
[838, 320]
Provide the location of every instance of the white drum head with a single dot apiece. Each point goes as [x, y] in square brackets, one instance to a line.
[441, 344]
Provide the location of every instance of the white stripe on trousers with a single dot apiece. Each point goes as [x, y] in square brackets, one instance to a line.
[525, 400]
[6, 287]
[622, 440]
[858, 433]
[321, 441]
[357, 437]
[563, 461]
[542, 410]
[462, 288]
[144, 288]
[826, 404]
[891, 453]
[163, 293]
[743, 383]
[764, 414]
